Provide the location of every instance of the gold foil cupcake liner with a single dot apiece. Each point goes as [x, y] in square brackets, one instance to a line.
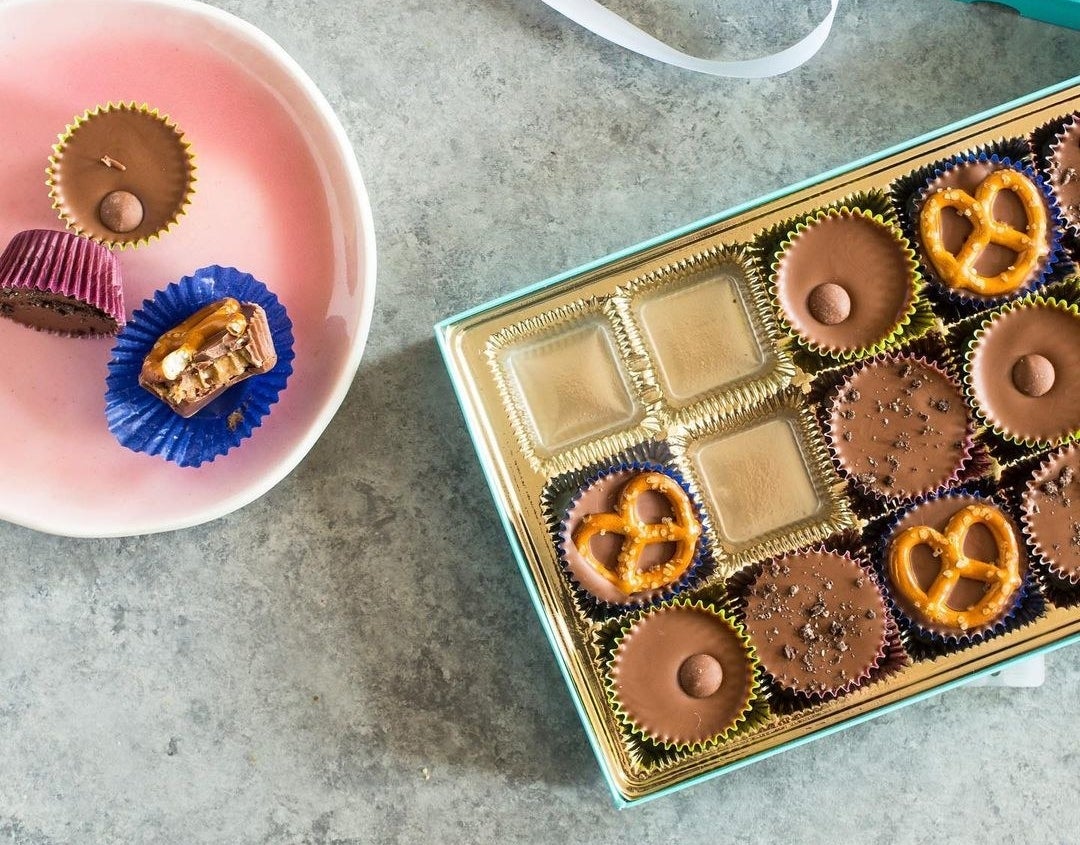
[642, 745]
[745, 330]
[55, 162]
[744, 446]
[914, 319]
[987, 321]
[543, 374]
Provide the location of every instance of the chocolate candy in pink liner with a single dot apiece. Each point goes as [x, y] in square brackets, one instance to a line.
[217, 347]
[61, 283]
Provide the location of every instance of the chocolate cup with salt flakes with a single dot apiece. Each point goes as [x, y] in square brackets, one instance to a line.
[61, 283]
[685, 677]
[965, 174]
[145, 423]
[1020, 606]
[1050, 513]
[599, 493]
[1063, 172]
[818, 621]
[898, 428]
[122, 174]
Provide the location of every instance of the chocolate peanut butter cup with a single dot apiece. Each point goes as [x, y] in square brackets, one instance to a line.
[845, 282]
[683, 675]
[1023, 372]
[818, 622]
[1051, 514]
[138, 417]
[121, 174]
[955, 567]
[988, 229]
[898, 427]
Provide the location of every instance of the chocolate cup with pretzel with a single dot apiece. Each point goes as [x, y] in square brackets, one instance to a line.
[632, 536]
[955, 568]
[988, 230]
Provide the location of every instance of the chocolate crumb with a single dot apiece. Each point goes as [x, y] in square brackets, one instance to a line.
[789, 652]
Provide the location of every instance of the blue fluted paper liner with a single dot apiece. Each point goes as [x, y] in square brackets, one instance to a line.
[595, 607]
[962, 304]
[1026, 606]
[144, 423]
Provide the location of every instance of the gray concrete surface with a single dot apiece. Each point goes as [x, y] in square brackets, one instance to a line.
[353, 657]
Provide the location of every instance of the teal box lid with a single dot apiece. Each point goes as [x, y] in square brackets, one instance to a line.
[1060, 12]
[448, 337]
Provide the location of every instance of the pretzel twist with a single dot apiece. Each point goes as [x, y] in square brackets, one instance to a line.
[682, 529]
[1002, 577]
[1030, 246]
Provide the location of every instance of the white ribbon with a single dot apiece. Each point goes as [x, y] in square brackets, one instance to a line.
[605, 23]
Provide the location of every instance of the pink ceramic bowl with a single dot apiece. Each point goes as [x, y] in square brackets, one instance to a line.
[279, 193]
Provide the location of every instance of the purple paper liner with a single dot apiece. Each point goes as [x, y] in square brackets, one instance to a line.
[1060, 587]
[949, 302]
[1027, 605]
[144, 423]
[563, 493]
[892, 656]
[68, 265]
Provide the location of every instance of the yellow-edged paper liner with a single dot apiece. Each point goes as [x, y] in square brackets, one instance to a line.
[1036, 300]
[98, 232]
[746, 717]
[901, 328]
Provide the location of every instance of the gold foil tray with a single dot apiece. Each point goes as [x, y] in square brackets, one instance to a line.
[538, 416]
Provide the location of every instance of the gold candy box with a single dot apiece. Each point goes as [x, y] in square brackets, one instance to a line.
[769, 369]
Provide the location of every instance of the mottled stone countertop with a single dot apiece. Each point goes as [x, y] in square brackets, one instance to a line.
[353, 657]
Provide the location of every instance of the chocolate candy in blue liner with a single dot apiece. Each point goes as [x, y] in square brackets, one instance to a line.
[967, 172]
[928, 637]
[144, 423]
[600, 493]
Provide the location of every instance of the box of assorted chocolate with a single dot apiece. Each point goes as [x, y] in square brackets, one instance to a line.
[809, 460]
